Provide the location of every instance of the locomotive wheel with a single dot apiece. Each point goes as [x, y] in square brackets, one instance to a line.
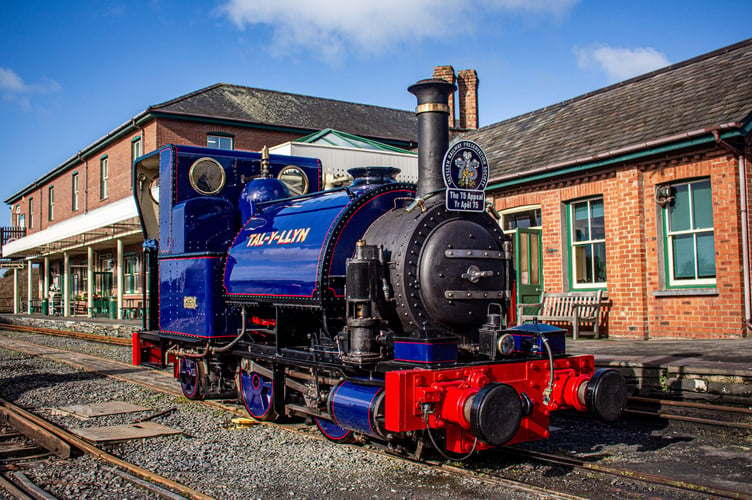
[257, 394]
[334, 432]
[191, 375]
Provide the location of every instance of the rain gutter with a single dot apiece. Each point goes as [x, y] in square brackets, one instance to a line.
[103, 141]
[186, 116]
[665, 144]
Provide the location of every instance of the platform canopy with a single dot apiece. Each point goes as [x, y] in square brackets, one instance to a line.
[117, 220]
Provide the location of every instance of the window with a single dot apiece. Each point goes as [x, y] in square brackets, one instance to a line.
[523, 225]
[688, 233]
[31, 212]
[51, 203]
[74, 191]
[219, 141]
[520, 218]
[103, 175]
[587, 238]
[136, 151]
[21, 220]
[130, 274]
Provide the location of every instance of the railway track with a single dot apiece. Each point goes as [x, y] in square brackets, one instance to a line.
[92, 337]
[48, 439]
[18, 450]
[637, 406]
[551, 460]
[632, 474]
[689, 411]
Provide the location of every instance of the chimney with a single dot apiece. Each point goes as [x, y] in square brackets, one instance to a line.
[467, 81]
[433, 132]
[446, 73]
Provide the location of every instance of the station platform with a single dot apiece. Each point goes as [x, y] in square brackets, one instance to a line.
[708, 369]
[715, 369]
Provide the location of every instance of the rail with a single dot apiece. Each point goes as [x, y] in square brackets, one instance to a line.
[74, 441]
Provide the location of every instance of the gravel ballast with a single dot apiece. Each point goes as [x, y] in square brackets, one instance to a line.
[264, 461]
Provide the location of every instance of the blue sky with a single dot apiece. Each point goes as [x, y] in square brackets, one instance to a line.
[72, 71]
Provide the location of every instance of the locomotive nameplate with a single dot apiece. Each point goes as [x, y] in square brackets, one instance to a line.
[465, 172]
[190, 302]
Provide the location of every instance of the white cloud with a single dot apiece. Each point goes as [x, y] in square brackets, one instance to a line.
[14, 89]
[335, 28]
[10, 81]
[534, 6]
[619, 63]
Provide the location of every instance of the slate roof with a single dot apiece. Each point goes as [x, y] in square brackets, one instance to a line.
[673, 103]
[263, 108]
[280, 109]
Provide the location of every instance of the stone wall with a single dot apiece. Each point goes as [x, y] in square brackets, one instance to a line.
[111, 328]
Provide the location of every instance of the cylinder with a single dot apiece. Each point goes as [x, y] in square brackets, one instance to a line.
[358, 408]
[433, 131]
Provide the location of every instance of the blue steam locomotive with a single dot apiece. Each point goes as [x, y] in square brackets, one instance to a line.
[374, 309]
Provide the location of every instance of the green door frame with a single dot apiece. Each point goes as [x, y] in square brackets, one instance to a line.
[529, 263]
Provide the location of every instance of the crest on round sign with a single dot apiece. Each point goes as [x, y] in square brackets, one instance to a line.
[465, 172]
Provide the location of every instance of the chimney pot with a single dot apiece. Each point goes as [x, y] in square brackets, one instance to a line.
[467, 81]
[446, 73]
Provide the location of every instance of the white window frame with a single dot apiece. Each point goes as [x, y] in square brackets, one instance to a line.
[669, 236]
[51, 203]
[516, 210]
[219, 139]
[74, 190]
[573, 244]
[104, 175]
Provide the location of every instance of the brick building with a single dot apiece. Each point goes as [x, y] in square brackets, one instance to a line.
[640, 189]
[80, 221]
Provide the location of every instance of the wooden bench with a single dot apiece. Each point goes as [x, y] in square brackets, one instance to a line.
[132, 308]
[572, 307]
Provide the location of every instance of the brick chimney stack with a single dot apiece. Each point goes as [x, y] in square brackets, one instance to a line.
[446, 73]
[467, 81]
[467, 108]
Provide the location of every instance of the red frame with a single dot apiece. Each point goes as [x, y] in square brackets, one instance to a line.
[447, 390]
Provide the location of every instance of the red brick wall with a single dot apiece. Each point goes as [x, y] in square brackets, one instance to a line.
[182, 132]
[155, 134]
[634, 247]
[719, 315]
[119, 182]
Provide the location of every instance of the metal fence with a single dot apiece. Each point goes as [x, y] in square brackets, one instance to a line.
[132, 308]
[11, 233]
[6, 304]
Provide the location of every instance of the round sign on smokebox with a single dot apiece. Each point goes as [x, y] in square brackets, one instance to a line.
[465, 169]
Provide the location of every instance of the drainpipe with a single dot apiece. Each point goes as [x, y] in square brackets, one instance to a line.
[86, 181]
[745, 242]
[745, 230]
[140, 129]
[143, 148]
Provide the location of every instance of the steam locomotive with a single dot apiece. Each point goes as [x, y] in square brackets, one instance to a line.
[375, 309]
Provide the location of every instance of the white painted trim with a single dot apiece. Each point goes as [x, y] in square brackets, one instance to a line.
[117, 211]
